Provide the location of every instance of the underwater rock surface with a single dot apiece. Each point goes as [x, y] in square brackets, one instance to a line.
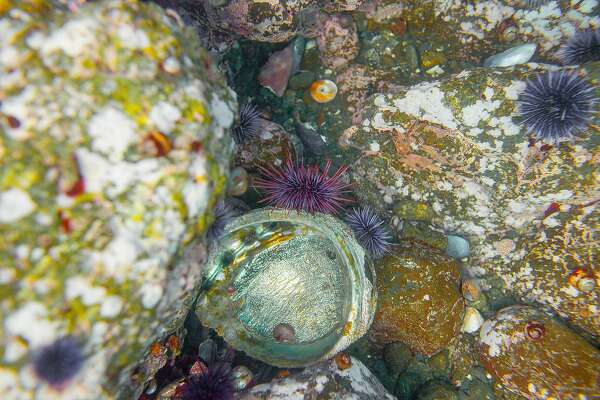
[288, 288]
[113, 144]
[534, 355]
[450, 153]
[419, 302]
[325, 380]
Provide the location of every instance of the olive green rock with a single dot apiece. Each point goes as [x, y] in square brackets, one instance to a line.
[114, 149]
[535, 356]
[419, 301]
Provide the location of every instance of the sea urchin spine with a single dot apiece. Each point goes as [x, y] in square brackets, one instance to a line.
[582, 47]
[370, 230]
[307, 188]
[249, 124]
[58, 362]
[557, 105]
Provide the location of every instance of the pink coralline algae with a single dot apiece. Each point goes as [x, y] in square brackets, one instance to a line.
[337, 41]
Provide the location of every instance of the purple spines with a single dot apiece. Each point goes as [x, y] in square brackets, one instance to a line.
[307, 188]
[58, 362]
[582, 47]
[557, 105]
[370, 230]
[248, 125]
[213, 383]
[223, 213]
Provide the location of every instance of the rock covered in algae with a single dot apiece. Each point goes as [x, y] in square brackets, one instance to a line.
[273, 21]
[113, 146]
[450, 153]
[535, 356]
[323, 381]
[272, 146]
[288, 288]
[419, 301]
[560, 266]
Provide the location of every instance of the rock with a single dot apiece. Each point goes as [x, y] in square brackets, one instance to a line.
[437, 391]
[275, 21]
[337, 41]
[322, 381]
[559, 269]
[276, 73]
[397, 357]
[534, 355]
[458, 247]
[114, 144]
[419, 300]
[272, 146]
[452, 155]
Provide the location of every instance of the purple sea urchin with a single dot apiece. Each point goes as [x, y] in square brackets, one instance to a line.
[249, 124]
[582, 47]
[300, 187]
[557, 105]
[212, 383]
[223, 214]
[370, 231]
[59, 361]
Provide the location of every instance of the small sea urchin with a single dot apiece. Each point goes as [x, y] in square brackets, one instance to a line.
[556, 105]
[223, 213]
[213, 383]
[300, 187]
[369, 230]
[59, 361]
[248, 125]
[582, 47]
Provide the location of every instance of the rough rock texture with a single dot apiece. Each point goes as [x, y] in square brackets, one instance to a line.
[114, 146]
[419, 301]
[323, 381]
[273, 21]
[535, 356]
[451, 154]
[337, 41]
[271, 147]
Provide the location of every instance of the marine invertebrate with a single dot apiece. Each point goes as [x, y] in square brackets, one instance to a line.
[248, 125]
[582, 47]
[370, 231]
[59, 361]
[211, 383]
[535, 330]
[323, 91]
[556, 105]
[582, 280]
[299, 187]
[223, 213]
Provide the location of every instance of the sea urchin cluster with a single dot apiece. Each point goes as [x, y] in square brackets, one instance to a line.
[557, 105]
[59, 361]
[307, 188]
[248, 125]
[582, 47]
[370, 230]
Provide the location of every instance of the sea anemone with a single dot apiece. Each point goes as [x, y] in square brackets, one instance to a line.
[213, 383]
[582, 47]
[370, 230]
[59, 361]
[300, 187]
[223, 214]
[556, 105]
[249, 124]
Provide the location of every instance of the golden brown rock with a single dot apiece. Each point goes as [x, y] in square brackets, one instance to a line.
[536, 356]
[419, 300]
